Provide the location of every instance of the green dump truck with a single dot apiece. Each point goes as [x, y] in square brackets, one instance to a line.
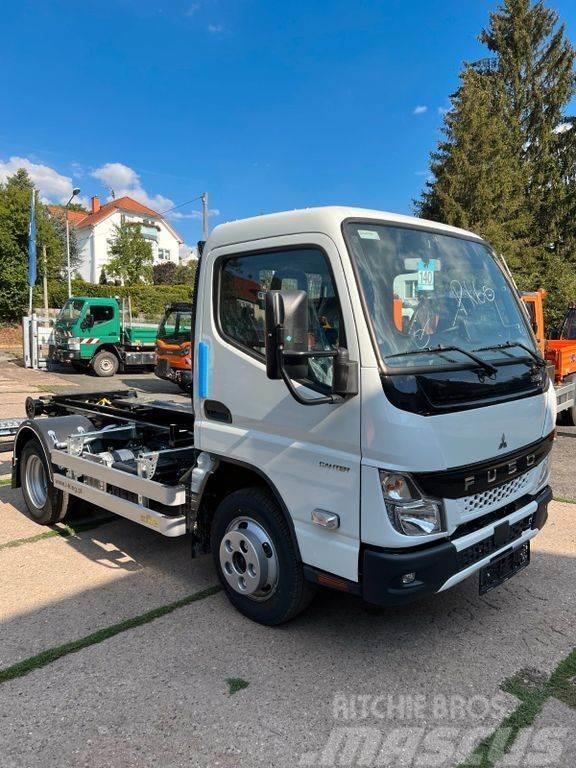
[98, 335]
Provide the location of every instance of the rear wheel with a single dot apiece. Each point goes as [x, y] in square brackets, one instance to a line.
[47, 505]
[104, 363]
[256, 560]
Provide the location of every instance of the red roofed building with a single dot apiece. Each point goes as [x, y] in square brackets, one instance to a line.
[95, 232]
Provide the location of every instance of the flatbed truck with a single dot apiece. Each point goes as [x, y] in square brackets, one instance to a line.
[559, 351]
[325, 443]
[95, 334]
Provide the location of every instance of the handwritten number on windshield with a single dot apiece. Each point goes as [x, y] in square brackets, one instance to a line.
[464, 290]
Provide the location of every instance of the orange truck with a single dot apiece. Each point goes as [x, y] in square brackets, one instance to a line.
[174, 346]
[559, 349]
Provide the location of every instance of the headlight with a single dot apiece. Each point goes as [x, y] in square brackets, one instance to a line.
[409, 511]
[73, 343]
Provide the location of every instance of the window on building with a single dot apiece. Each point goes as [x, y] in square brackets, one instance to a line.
[164, 254]
[244, 281]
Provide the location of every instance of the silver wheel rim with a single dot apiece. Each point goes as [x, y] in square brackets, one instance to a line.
[248, 559]
[106, 365]
[36, 483]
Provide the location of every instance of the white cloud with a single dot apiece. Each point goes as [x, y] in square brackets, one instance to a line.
[192, 9]
[53, 186]
[192, 214]
[214, 29]
[124, 181]
[420, 109]
[117, 176]
[443, 110]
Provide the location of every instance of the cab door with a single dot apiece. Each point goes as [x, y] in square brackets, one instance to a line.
[310, 454]
[98, 325]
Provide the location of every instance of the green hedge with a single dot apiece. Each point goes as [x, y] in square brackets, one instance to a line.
[146, 299]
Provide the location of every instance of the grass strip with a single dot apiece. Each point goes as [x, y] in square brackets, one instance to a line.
[532, 694]
[53, 654]
[62, 531]
[563, 500]
[5, 481]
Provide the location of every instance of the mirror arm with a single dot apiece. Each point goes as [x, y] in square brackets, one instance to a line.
[327, 400]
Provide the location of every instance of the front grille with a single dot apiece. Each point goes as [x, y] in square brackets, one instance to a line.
[498, 495]
[486, 547]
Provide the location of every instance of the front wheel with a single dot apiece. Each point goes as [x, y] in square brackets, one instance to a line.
[255, 558]
[104, 363]
[47, 505]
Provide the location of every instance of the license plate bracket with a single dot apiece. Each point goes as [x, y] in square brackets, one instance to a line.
[505, 566]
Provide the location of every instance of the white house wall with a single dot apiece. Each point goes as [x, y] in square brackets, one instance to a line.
[94, 242]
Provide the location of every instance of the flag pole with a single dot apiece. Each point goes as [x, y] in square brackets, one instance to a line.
[32, 248]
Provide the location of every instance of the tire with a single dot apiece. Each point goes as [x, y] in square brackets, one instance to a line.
[47, 505]
[251, 543]
[104, 363]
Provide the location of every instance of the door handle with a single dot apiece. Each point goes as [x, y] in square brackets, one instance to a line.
[217, 411]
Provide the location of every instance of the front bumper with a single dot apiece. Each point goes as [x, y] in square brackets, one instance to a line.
[164, 370]
[61, 355]
[441, 566]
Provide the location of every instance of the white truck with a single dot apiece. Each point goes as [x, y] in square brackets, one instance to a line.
[330, 439]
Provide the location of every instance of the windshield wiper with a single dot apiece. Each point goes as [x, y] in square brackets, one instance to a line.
[440, 349]
[509, 345]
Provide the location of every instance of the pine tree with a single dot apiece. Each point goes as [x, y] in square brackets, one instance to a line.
[507, 164]
[536, 64]
[478, 177]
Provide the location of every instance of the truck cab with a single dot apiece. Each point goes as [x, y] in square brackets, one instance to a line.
[370, 413]
[92, 333]
[174, 346]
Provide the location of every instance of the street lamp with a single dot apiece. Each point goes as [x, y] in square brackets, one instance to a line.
[75, 191]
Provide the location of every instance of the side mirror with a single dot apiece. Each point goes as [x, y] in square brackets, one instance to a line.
[287, 354]
[88, 322]
[286, 316]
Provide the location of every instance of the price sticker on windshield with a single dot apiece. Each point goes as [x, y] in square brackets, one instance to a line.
[426, 275]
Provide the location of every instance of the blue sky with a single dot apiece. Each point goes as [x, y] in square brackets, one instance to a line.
[265, 105]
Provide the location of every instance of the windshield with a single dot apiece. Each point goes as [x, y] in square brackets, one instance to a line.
[176, 326]
[424, 290]
[71, 311]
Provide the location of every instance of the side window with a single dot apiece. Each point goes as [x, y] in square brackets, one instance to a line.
[101, 314]
[244, 281]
